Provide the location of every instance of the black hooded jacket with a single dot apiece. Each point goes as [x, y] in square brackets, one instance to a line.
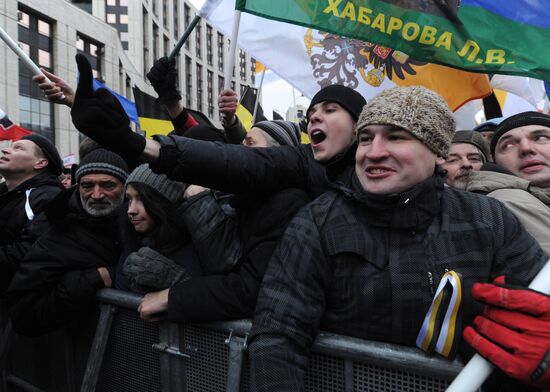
[20, 220]
[58, 278]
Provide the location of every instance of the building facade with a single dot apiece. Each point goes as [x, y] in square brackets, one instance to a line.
[122, 39]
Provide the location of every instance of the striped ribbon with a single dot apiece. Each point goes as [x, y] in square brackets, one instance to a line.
[440, 330]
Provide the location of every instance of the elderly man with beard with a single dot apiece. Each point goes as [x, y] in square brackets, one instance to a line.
[57, 280]
[468, 153]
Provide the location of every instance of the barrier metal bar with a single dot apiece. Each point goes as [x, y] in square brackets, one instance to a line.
[237, 345]
[119, 298]
[95, 360]
[172, 367]
[22, 384]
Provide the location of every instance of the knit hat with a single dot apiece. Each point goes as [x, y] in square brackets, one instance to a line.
[489, 125]
[285, 133]
[48, 148]
[415, 109]
[171, 190]
[102, 161]
[475, 139]
[516, 121]
[346, 97]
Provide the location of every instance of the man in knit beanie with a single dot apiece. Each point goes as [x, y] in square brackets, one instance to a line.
[468, 153]
[272, 134]
[61, 273]
[366, 259]
[521, 144]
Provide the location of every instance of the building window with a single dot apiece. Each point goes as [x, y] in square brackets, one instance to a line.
[111, 2]
[123, 3]
[221, 83]
[209, 54]
[155, 41]
[221, 51]
[35, 111]
[111, 18]
[93, 51]
[176, 19]
[165, 13]
[166, 46]
[187, 20]
[24, 19]
[44, 28]
[210, 92]
[253, 70]
[188, 81]
[198, 33]
[242, 64]
[199, 87]
[145, 38]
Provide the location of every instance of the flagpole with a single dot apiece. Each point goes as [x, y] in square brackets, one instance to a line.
[23, 56]
[232, 50]
[478, 369]
[184, 37]
[258, 98]
[295, 116]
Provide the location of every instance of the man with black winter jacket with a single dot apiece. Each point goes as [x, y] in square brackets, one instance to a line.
[332, 115]
[366, 259]
[30, 167]
[58, 278]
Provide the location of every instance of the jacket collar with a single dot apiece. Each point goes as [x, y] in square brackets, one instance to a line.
[412, 209]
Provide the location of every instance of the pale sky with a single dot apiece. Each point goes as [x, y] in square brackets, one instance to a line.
[276, 95]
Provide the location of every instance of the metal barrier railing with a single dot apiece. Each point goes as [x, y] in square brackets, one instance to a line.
[210, 357]
[128, 354]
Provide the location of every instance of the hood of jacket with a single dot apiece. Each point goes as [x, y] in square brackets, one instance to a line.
[488, 181]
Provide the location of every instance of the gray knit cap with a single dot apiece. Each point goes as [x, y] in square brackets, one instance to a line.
[286, 133]
[102, 161]
[475, 139]
[171, 190]
[418, 110]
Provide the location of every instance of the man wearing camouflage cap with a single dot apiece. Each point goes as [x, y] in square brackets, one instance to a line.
[365, 259]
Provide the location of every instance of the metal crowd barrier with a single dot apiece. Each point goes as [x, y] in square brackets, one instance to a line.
[128, 354]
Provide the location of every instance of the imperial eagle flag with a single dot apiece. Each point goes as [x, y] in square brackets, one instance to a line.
[311, 57]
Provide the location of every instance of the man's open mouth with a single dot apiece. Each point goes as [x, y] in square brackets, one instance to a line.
[317, 137]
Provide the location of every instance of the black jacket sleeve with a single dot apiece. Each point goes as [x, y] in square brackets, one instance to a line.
[233, 295]
[214, 232]
[236, 168]
[45, 294]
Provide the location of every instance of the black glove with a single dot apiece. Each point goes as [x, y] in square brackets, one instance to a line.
[148, 268]
[99, 115]
[163, 76]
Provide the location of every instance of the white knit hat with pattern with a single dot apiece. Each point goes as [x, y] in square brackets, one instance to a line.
[416, 109]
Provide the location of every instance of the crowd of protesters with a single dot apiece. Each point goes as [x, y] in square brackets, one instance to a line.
[353, 233]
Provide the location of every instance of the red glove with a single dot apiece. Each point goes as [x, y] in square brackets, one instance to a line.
[514, 332]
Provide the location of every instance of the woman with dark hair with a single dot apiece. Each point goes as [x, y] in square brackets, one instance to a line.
[157, 251]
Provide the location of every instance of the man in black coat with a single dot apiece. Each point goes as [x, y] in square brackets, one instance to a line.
[331, 116]
[58, 279]
[30, 167]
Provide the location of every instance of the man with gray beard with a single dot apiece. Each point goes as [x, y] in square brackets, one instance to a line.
[58, 278]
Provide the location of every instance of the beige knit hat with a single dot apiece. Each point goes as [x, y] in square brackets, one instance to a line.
[418, 110]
